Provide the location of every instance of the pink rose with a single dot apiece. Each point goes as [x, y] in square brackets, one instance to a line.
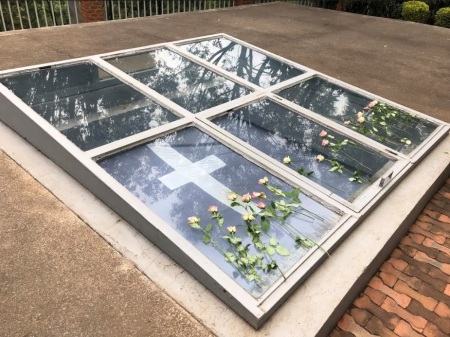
[323, 133]
[263, 181]
[212, 209]
[320, 158]
[372, 104]
[361, 119]
[232, 197]
[246, 197]
[325, 142]
[231, 229]
[261, 205]
[248, 217]
[347, 123]
[193, 219]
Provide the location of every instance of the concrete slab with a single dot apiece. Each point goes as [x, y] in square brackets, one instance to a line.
[321, 48]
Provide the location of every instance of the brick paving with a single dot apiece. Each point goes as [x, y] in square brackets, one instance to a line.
[410, 294]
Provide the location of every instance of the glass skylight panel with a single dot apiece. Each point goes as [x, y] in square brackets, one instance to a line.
[86, 104]
[314, 149]
[390, 126]
[172, 168]
[186, 83]
[242, 61]
[181, 174]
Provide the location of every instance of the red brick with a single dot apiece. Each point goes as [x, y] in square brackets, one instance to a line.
[447, 290]
[432, 214]
[443, 257]
[429, 291]
[401, 299]
[390, 320]
[432, 244]
[412, 281]
[428, 302]
[437, 274]
[347, 323]
[398, 264]
[437, 283]
[444, 218]
[417, 238]
[407, 249]
[432, 225]
[361, 316]
[376, 327]
[388, 279]
[403, 329]
[416, 229]
[441, 202]
[417, 309]
[414, 247]
[417, 322]
[375, 296]
[442, 310]
[423, 267]
[445, 268]
[432, 330]
[434, 207]
[336, 333]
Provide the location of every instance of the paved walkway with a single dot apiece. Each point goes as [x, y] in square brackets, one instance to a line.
[60, 278]
[410, 294]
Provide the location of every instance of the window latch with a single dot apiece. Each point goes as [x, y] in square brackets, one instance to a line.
[386, 179]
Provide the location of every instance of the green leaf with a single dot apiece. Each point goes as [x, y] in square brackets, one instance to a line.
[220, 222]
[282, 250]
[251, 277]
[272, 203]
[195, 225]
[273, 241]
[265, 224]
[259, 245]
[206, 239]
[333, 169]
[235, 203]
[270, 250]
[209, 228]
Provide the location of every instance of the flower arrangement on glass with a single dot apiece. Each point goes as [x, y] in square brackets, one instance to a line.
[336, 145]
[383, 122]
[259, 256]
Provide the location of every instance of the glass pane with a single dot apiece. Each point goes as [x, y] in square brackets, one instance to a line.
[86, 104]
[244, 62]
[387, 125]
[180, 175]
[186, 83]
[280, 133]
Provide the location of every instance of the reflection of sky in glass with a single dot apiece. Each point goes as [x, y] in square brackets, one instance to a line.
[279, 133]
[244, 62]
[86, 104]
[186, 83]
[340, 104]
[181, 174]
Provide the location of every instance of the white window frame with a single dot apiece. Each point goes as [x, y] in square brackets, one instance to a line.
[83, 167]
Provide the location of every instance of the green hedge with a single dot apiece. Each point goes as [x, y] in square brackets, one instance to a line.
[416, 11]
[442, 17]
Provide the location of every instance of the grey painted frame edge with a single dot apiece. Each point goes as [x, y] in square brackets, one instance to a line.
[47, 139]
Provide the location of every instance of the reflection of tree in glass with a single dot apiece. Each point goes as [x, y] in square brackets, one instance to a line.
[246, 63]
[186, 83]
[140, 170]
[279, 133]
[340, 104]
[86, 104]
